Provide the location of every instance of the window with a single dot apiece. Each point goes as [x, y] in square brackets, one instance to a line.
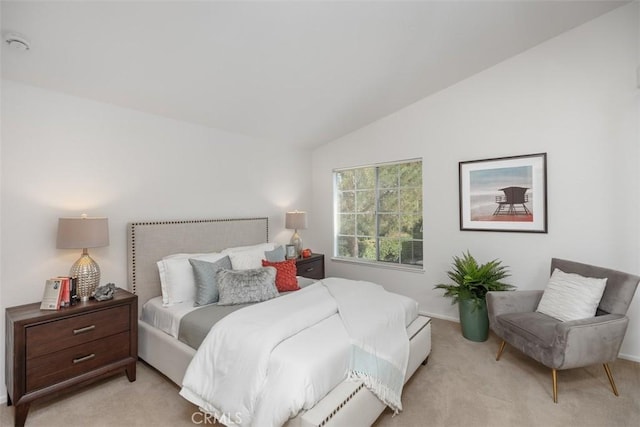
[378, 213]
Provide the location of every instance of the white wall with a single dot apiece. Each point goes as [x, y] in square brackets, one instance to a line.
[63, 156]
[573, 97]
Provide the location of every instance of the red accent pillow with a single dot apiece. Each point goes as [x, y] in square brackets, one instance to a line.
[286, 271]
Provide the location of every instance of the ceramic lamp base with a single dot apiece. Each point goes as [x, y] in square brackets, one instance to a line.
[296, 241]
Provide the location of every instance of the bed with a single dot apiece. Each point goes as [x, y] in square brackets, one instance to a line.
[348, 403]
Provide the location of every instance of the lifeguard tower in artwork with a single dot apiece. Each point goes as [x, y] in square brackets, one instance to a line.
[513, 201]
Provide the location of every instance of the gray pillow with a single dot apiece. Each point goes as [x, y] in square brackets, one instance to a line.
[276, 255]
[204, 274]
[241, 286]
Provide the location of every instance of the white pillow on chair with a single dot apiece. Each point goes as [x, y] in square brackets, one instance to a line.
[570, 296]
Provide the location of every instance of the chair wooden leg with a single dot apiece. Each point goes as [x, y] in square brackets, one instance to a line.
[500, 350]
[554, 379]
[613, 384]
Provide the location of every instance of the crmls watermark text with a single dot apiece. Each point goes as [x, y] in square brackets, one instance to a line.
[206, 418]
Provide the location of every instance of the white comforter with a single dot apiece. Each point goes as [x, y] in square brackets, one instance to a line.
[233, 374]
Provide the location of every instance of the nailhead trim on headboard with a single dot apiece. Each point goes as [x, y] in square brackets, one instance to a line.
[133, 226]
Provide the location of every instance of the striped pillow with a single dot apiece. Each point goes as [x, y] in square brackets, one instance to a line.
[569, 296]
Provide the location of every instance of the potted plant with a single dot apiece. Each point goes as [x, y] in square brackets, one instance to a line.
[471, 284]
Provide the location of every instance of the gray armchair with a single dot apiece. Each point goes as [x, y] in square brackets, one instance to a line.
[564, 345]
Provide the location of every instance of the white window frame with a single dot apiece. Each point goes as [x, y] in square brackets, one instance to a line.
[377, 237]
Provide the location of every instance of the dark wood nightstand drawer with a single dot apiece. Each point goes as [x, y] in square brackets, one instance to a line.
[50, 337]
[51, 351]
[68, 363]
[312, 267]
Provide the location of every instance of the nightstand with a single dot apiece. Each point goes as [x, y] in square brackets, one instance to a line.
[312, 267]
[50, 351]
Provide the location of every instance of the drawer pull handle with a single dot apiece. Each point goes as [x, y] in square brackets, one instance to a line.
[84, 358]
[83, 330]
[310, 269]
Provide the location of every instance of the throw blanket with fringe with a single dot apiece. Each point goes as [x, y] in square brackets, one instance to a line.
[379, 341]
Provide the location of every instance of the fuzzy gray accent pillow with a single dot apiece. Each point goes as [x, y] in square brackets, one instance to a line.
[242, 286]
[204, 273]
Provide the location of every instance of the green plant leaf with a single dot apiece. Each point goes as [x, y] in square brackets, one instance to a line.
[473, 281]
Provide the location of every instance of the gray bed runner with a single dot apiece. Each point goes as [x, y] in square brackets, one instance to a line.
[195, 326]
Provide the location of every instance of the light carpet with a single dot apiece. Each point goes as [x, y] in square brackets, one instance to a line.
[462, 385]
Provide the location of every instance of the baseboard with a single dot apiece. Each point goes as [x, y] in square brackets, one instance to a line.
[629, 357]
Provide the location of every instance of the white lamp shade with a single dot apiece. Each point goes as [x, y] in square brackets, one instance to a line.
[82, 233]
[296, 220]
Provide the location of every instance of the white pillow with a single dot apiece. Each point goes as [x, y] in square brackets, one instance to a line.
[570, 296]
[247, 260]
[260, 246]
[248, 257]
[176, 276]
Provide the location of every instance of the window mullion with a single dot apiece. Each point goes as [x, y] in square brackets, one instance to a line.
[399, 216]
[376, 192]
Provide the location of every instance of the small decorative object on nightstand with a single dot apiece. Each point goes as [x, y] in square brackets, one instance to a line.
[103, 293]
[50, 351]
[311, 267]
[290, 252]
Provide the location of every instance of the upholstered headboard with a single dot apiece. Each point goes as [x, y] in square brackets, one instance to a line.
[149, 241]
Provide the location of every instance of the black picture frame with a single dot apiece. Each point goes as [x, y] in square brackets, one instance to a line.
[504, 194]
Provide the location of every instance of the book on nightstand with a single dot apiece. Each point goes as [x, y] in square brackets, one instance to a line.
[52, 294]
[73, 290]
[69, 291]
[65, 298]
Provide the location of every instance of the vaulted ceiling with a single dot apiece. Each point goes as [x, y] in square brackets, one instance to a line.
[292, 72]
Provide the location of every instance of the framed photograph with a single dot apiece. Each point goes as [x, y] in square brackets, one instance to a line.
[291, 252]
[504, 194]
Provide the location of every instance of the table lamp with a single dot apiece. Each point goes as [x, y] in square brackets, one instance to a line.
[296, 221]
[83, 233]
